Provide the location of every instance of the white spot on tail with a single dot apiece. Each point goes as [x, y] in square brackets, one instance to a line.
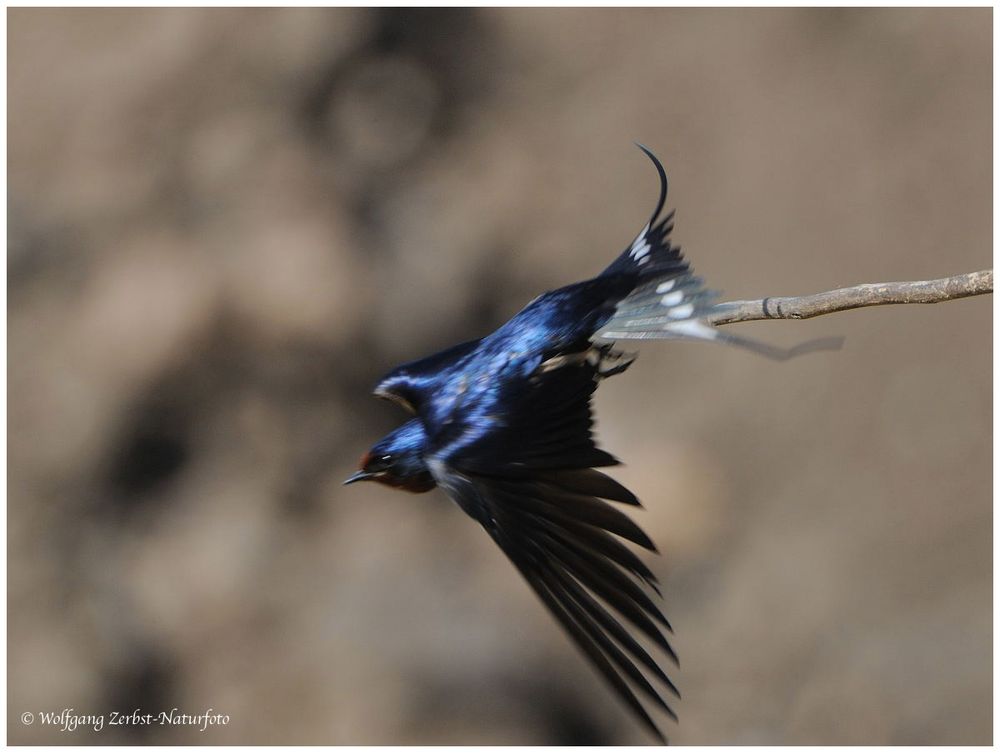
[663, 287]
[681, 312]
[639, 246]
[672, 299]
[694, 329]
[639, 250]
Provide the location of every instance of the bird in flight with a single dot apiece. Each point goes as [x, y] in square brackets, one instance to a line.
[503, 425]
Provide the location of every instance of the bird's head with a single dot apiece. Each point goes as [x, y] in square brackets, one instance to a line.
[397, 460]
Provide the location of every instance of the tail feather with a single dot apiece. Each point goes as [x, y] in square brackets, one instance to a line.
[667, 301]
[696, 329]
[651, 253]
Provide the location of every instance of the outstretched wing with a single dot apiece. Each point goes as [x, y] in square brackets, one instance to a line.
[562, 537]
[527, 476]
[409, 384]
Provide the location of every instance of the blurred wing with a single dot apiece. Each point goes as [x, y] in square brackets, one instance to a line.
[408, 385]
[561, 536]
[541, 422]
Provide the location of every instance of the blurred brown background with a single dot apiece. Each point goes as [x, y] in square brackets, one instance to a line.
[225, 225]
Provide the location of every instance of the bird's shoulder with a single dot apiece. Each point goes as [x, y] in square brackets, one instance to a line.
[566, 316]
[528, 414]
[411, 383]
[560, 320]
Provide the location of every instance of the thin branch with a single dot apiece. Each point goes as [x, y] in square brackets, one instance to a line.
[859, 296]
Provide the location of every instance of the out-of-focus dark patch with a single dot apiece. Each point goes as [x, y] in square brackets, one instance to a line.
[149, 459]
[830, 23]
[44, 256]
[156, 438]
[405, 89]
[153, 448]
[146, 681]
[570, 722]
[505, 700]
[453, 45]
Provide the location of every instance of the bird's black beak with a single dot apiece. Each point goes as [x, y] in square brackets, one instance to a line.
[358, 476]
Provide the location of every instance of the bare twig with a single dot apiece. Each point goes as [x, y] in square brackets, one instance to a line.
[870, 294]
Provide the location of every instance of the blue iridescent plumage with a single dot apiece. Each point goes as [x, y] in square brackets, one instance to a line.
[503, 425]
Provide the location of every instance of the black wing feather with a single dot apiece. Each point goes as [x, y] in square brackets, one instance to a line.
[561, 542]
[594, 483]
[558, 504]
[619, 632]
[614, 587]
[587, 644]
[546, 426]
[599, 543]
[596, 620]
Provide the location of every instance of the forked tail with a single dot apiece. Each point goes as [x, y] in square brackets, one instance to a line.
[667, 301]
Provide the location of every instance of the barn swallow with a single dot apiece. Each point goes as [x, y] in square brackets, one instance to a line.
[503, 425]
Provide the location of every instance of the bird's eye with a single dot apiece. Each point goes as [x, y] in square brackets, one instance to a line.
[382, 462]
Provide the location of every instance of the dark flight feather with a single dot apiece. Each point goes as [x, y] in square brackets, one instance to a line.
[561, 541]
[589, 647]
